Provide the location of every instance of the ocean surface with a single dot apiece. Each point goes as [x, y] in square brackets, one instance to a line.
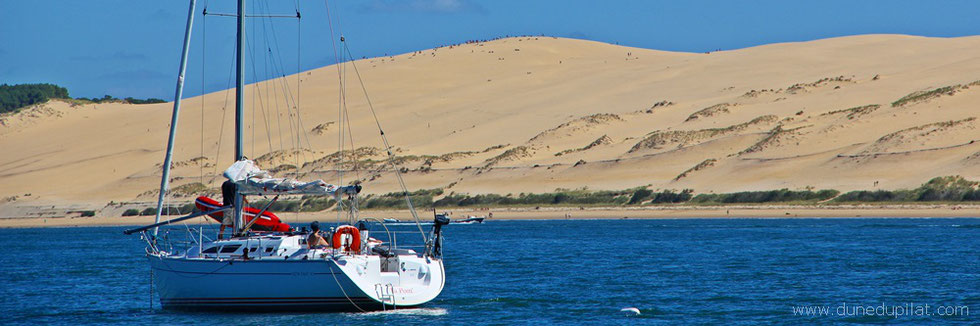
[697, 271]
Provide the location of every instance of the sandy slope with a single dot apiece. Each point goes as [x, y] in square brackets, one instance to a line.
[769, 117]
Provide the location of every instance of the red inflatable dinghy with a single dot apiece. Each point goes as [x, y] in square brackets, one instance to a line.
[267, 222]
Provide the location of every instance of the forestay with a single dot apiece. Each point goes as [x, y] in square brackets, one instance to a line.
[252, 180]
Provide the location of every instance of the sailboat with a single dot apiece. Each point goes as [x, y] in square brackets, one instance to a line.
[275, 267]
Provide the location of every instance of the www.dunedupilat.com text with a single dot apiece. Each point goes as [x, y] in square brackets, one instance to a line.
[909, 309]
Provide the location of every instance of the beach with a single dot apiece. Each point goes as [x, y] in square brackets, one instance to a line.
[562, 213]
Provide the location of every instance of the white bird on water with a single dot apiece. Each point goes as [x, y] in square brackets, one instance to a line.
[632, 310]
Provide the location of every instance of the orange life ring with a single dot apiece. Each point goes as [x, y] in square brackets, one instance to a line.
[355, 234]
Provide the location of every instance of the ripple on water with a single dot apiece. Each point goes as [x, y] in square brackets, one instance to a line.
[561, 272]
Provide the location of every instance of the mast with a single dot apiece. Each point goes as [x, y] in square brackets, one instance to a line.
[165, 180]
[239, 107]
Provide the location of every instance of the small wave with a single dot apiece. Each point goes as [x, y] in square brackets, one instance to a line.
[408, 312]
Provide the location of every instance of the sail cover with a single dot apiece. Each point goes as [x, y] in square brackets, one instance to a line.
[254, 181]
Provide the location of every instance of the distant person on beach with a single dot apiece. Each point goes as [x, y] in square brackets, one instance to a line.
[315, 240]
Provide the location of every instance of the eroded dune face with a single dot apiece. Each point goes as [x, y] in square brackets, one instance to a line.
[534, 114]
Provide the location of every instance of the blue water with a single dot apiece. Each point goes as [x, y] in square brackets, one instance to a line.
[731, 272]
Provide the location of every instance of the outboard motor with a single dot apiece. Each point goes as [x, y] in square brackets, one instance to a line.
[437, 224]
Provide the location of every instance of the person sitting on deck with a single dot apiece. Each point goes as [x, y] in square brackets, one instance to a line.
[315, 240]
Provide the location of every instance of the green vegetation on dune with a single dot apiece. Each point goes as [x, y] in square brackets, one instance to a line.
[925, 95]
[15, 97]
[112, 99]
[770, 196]
[304, 204]
[660, 138]
[167, 210]
[560, 197]
[396, 200]
[940, 189]
[855, 112]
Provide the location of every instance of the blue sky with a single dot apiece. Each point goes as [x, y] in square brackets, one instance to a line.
[131, 47]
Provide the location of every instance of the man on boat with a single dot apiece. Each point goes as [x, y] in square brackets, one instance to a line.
[228, 192]
[315, 239]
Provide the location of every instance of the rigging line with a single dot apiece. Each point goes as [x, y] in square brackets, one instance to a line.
[252, 16]
[341, 102]
[296, 151]
[354, 157]
[275, 91]
[300, 128]
[204, 42]
[289, 117]
[345, 154]
[350, 133]
[346, 122]
[297, 145]
[281, 78]
[341, 86]
[268, 85]
[340, 140]
[275, 94]
[299, 52]
[278, 112]
[278, 65]
[258, 92]
[353, 150]
[341, 288]
[224, 112]
[384, 139]
[270, 98]
[257, 88]
[255, 78]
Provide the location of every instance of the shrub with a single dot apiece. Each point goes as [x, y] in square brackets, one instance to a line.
[669, 196]
[397, 202]
[561, 197]
[131, 212]
[305, 204]
[640, 195]
[782, 195]
[874, 196]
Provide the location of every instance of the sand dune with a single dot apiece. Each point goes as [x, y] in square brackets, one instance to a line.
[842, 113]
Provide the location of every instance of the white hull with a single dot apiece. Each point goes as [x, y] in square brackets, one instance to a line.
[339, 283]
